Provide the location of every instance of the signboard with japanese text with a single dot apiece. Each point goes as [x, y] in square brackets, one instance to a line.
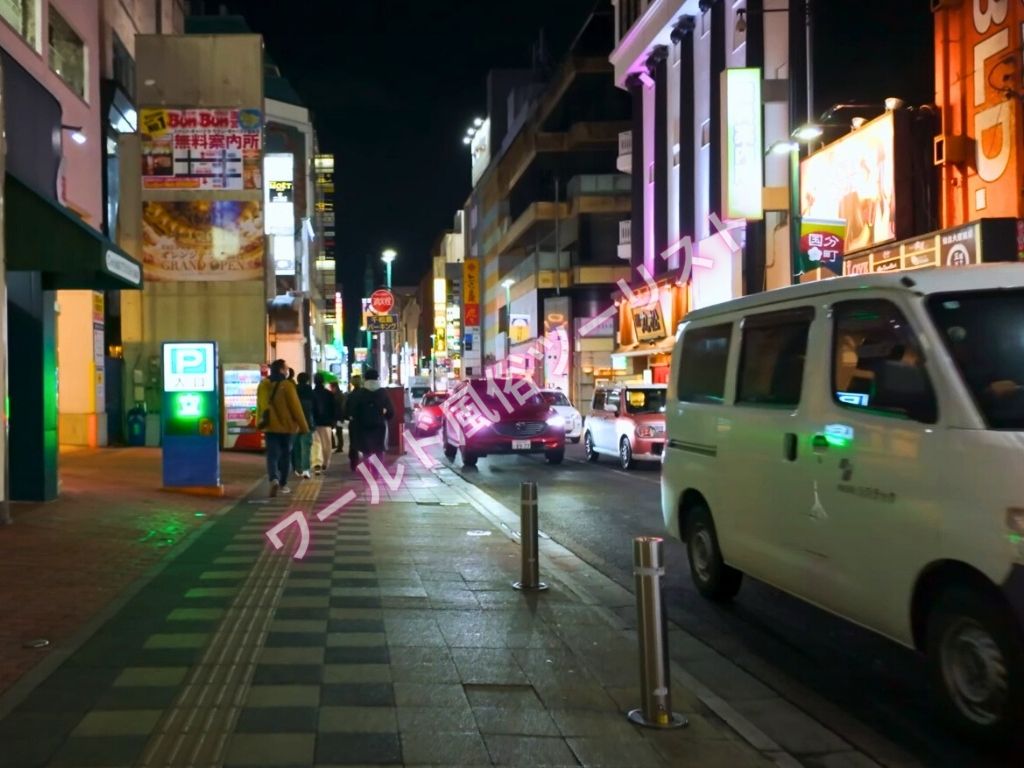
[471, 291]
[648, 323]
[742, 142]
[201, 148]
[821, 245]
[378, 323]
[202, 240]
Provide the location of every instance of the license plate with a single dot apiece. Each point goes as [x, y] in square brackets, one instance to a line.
[520, 445]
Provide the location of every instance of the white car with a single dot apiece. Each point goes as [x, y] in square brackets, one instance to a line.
[859, 443]
[573, 420]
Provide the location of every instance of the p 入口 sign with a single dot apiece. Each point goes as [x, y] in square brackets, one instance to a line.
[190, 366]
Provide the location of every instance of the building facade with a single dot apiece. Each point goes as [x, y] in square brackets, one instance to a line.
[717, 88]
[543, 219]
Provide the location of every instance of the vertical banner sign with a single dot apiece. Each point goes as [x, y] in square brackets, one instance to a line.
[190, 416]
[991, 47]
[99, 349]
[821, 245]
[742, 143]
[471, 291]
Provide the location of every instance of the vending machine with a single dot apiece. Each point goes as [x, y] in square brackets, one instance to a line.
[239, 407]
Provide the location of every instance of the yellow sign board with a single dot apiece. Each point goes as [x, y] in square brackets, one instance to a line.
[471, 281]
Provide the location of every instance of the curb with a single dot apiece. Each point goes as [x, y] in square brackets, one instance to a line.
[28, 682]
[551, 553]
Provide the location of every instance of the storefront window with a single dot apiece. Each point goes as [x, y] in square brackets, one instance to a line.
[23, 15]
[67, 53]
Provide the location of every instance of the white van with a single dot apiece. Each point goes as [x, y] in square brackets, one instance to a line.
[859, 443]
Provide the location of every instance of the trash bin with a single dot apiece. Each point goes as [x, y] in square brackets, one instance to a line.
[137, 426]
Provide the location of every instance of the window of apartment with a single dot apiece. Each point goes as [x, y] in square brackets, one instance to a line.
[702, 364]
[67, 53]
[23, 15]
[772, 358]
[124, 66]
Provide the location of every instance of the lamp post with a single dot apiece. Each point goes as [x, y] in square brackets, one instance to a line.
[507, 284]
[388, 256]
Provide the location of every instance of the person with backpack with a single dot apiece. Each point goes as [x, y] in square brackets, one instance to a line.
[281, 419]
[369, 410]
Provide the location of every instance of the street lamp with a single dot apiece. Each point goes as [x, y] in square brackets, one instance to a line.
[507, 284]
[388, 256]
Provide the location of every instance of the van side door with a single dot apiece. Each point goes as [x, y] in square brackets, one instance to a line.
[772, 485]
[878, 520]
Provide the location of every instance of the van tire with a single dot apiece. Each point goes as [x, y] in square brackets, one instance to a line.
[625, 454]
[468, 459]
[556, 456]
[713, 578]
[588, 448]
[450, 451]
[970, 633]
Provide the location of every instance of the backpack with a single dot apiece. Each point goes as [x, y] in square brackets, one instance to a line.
[369, 410]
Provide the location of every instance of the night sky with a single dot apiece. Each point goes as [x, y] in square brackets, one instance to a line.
[393, 84]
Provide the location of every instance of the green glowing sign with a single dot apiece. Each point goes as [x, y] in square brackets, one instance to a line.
[189, 405]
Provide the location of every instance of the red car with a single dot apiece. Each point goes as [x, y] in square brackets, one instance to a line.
[485, 416]
[427, 416]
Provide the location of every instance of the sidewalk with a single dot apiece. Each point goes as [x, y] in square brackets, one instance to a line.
[397, 640]
[62, 562]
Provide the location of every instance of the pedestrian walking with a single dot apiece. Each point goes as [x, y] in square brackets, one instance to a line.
[325, 416]
[369, 409]
[339, 425]
[353, 429]
[303, 444]
[281, 419]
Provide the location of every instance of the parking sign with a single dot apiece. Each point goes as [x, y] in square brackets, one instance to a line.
[189, 367]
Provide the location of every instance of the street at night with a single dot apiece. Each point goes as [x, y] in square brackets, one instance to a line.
[572, 383]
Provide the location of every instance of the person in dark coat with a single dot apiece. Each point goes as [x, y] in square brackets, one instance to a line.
[303, 445]
[325, 416]
[369, 410]
[339, 408]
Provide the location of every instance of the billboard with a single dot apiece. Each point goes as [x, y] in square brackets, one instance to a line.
[202, 240]
[201, 148]
[742, 143]
[471, 290]
[853, 181]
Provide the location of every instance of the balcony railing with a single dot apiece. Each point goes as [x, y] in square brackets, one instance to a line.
[599, 184]
[625, 160]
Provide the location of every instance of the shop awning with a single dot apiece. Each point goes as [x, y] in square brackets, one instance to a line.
[41, 236]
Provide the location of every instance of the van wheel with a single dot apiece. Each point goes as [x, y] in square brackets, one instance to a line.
[588, 447]
[713, 578]
[556, 456]
[468, 459]
[449, 451]
[625, 453]
[976, 663]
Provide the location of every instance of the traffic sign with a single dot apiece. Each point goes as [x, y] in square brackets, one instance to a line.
[381, 301]
[377, 323]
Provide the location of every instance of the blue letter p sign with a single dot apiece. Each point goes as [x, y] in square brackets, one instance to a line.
[189, 367]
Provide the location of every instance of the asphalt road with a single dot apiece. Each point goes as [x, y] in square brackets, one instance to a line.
[803, 653]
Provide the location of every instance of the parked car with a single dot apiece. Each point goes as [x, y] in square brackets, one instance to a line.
[483, 417]
[428, 414]
[627, 422]
[858, 443]
[573, 420]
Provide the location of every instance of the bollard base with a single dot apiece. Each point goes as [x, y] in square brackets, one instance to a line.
[675, 720]
[541, 587]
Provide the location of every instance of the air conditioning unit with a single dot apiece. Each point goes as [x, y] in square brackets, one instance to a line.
[945, 5]
[952, 149]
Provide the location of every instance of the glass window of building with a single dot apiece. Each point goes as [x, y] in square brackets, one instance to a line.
[67, 53]
[23, 15]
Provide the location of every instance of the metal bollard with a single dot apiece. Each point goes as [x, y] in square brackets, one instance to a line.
[528, 529]
[655, 678]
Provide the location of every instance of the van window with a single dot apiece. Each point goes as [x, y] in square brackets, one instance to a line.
[612, 399]
[598, 402]
[772, 357]
[702, 362]
[877, 363]
[984, 333]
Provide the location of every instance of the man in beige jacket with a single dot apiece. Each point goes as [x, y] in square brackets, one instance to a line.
[281, 419]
